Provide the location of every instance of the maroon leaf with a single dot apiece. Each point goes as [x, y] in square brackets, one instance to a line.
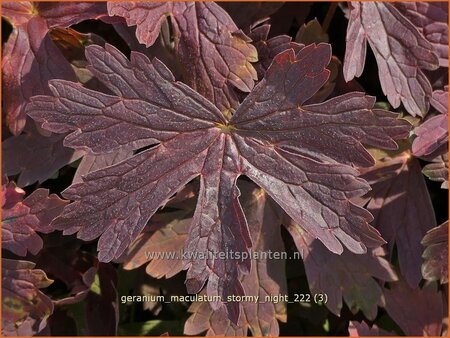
[402, 210]
[203, 32]
[266, 278]
[22, 220]
[91, 162]
[25, 309]
[102, 308]
[356, 329]
[433, 133]
[418, 312]
[69, 265]
[347, 276]
[161, 248]
[30, 57]
[268, 48]
[438, 170]
[245, 14]
[34, 156]
[400, 49]
[431, 18]
[435, 254]
[307, 164]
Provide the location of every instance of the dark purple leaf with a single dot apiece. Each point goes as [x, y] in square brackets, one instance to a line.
[30, 59]
[400, 49]
[21, 221]
[435, 254]
[25, 309]
[356, 329]
[402, 210]
[418, 312]
[308, 163]
[203, 32]
[431, 18]
[266, 277]
[347, 276]
[268, 48]
[91, 162]
[72, 267]
[169, 238]
[245, 14]
[34, 156]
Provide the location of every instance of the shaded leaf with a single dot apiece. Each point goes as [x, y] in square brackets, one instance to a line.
[30, 60]
[435, 266]
[266, 277]
[356, 329]
[347, 276]
[418, 312]
[431, 18]
[25, 309]
[34, 156]
[311, 32]
[162, 248]
[102, 309]
[400, 49]
[307, 163]
[21, 221]
[69, 265]
[203, 32]
[402, 210]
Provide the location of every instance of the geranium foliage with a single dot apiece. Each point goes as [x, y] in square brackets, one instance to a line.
[146, 143]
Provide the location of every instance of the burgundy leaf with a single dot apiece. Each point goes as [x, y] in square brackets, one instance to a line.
[268, 48]
[308, 163]
[438, 170]
[433, 133]
[418, 312]
[203, 32]
[30, 58]
[347, 276]
[266, 277]
[435, 254]
[69, 265]
[21, 221]
[25, 309]
[356, 329]
[431, 18]
[400, 49]
[35, 157]
[245, 14]
[402, 210]
[91, 162]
